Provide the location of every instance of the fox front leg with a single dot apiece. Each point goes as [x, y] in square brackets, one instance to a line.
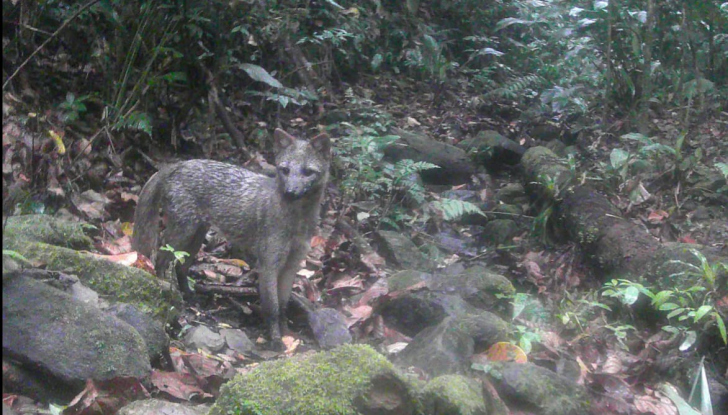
[269, 270]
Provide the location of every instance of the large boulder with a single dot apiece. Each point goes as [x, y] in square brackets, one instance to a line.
[52, 333]
[54, 242]
[351, 379]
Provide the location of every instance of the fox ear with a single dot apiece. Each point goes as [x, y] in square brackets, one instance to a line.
[282, 139]
[321, 143]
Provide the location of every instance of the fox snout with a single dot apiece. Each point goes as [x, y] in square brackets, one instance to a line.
[294, 185]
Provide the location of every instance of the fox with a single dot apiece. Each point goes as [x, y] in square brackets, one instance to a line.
[269, 219]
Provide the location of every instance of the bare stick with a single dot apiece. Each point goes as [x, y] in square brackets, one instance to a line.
[53, 36]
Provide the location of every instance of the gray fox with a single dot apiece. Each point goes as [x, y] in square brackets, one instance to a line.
[270, 219]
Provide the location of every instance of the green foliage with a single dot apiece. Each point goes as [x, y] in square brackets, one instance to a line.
[179, 256]
[73, 107]
[516, 87]
[723, 168]
[650, 153]
[526, 337]
[574, 313]
[453, 209]
[686, 308]
[429, 58]
[15, 255]
[366, 178]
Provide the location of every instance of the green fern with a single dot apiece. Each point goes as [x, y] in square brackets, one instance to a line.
[453, 209]
[138, 121]
[515, 87]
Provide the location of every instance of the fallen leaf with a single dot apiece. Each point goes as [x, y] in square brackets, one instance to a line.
[347, 282]
[506, 352]
[291, 344]
[412, 122]
[358, 314]
[378, 289]
[657, 216]
[127, 259]
[179, 385]
[396, 347]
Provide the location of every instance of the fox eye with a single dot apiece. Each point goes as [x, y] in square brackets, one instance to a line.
[308, 172]
[284, 170]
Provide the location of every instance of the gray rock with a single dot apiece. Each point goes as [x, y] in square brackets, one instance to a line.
[413, 312]
[39, 387]
[553, 394]
[485, 328]
[455, 165]
[399, 251]
[512, 194]
[150, 329]
[492, 150]
[500, 231]
[237, 340]
[158, 406]
[46, 328]
[329, 328]
[8, 410]
[203, 337]
[439, 350]
[478, 286]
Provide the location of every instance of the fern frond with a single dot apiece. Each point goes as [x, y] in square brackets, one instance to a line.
[453, 209]
[514, 87]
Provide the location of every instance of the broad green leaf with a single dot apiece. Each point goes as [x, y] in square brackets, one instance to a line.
[261, 75]
[702, 311]
[682, 406]
[690, 338]
[618, 158]
[675, 312]
[661, 297]
[721, 327]
[637, 137]
[631, 294]
[175, 77]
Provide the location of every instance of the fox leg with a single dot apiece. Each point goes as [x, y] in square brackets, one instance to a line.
[271, 262]
[182, 235]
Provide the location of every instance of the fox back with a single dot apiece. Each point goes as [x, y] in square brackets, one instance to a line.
[270, 219]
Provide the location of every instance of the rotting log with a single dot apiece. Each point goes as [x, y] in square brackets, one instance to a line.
[613, 245]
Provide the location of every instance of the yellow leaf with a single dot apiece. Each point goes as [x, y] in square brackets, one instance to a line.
[58, 141]
[127, 228]
[353, 11]
[504, 351]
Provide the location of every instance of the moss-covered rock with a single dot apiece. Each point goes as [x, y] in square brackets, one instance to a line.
[350, 379]
[52, 242]
[454, 395]
[44, 228]
[115, 281]
[478, 286]
[528, 384]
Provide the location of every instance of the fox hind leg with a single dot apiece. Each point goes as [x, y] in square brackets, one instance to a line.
[182, 235]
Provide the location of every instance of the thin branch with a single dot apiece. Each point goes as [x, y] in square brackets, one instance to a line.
[53, 36]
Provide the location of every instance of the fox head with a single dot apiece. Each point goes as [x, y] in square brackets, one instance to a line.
[302, 166]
